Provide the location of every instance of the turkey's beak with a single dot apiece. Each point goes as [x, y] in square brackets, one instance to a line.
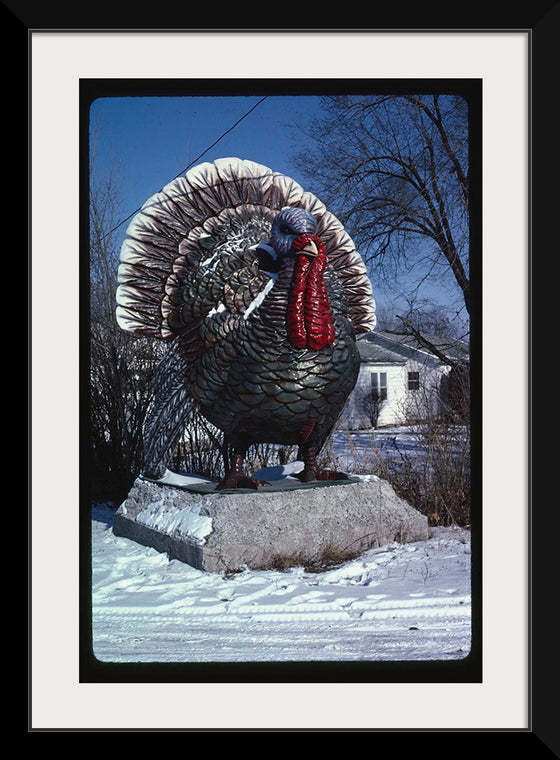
[309, 249]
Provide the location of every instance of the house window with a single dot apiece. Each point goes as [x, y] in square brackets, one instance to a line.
[413, 381]
[379, 386]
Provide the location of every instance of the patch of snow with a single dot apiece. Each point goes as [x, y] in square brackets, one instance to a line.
[187, 521]
[279, 472]
[182, 478]
[256, 302]
[212, 261]
[397, 602]
[216, 310]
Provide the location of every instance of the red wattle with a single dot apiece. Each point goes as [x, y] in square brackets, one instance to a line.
[309, 318]
[295, 317]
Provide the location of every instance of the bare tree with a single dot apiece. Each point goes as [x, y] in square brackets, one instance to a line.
[395, 169]
[121, 365]
[369, 404]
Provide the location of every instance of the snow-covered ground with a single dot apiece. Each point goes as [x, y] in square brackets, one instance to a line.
[358, 450]
[400, 602]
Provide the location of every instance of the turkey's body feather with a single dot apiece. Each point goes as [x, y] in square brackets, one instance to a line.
[257, 388]
[208, 266]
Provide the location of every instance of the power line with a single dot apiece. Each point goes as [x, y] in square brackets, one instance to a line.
[183, 171]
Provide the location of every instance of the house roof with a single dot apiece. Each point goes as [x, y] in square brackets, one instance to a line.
[373, 348]
[384, 347]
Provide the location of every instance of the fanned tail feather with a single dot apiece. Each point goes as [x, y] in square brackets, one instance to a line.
[166, 256]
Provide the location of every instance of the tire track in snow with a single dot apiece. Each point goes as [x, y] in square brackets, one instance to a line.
[397, 602]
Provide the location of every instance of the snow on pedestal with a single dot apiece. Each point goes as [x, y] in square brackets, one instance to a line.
[283, 524]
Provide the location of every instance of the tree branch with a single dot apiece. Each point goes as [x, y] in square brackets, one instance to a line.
[411, 330]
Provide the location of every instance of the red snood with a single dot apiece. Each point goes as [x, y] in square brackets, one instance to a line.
[309, 320]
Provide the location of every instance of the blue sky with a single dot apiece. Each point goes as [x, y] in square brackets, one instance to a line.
[155, 138]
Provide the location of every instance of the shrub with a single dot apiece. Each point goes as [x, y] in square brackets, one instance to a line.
[433, 475]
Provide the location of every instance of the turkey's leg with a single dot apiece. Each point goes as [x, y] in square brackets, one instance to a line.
[311, 470]
[235, 477]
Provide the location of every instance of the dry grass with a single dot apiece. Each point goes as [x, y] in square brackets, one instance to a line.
[434, 476]
[200, 450]
[329, 558]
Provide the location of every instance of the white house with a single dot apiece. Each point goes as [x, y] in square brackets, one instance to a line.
[400, 381]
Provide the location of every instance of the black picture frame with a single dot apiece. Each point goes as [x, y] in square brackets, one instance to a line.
[541, 25]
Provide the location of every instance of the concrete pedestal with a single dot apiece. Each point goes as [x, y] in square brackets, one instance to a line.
[282, 525]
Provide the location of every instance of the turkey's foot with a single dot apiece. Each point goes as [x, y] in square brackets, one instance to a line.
[311, 470]
[154, 473]
[308, 475]
[236, 478]
[239, 480]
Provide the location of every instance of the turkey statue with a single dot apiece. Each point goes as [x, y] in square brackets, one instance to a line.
[259, 292]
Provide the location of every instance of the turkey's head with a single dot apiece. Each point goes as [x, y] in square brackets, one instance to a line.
[290, 224]
[295, 245]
